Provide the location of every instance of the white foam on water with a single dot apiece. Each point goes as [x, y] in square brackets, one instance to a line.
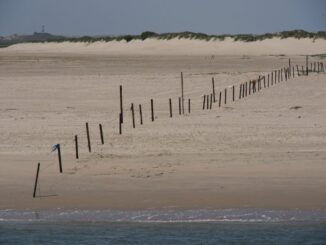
[163, 216]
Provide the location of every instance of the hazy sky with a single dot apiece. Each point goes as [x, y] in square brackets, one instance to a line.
[96, 17]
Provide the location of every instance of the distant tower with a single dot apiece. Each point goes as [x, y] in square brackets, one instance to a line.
[43, 28]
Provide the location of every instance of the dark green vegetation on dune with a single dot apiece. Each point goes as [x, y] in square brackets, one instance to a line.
[46, 37]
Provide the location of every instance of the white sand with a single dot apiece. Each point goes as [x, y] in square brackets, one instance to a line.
[256, 152]
[276, 46]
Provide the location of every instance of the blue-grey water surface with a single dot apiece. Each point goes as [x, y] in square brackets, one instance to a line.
[247, 226]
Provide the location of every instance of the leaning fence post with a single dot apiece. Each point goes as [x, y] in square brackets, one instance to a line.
[101, 134]
[133, 115]
[36, 179]
[213, 87]
[88, 138]
[240, 89]
[59, 157]
[76, 146]
[204, 100]
[140, 115]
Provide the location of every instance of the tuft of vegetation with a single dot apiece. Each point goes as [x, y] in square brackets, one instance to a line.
[45, 37]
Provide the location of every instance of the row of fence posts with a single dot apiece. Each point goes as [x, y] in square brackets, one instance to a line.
[245, 89]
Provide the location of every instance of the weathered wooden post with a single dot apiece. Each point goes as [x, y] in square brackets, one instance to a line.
[211, 101]
[170, 105]
[182, 95]
[101, 133]
[233, 93]
[264, 77]
[121, 104]
[279, 75]
[152, 109]
[220, 99]
[268, 80]
[307, 65]
[207, 100]
[213, 87]
[189, 106]
[225, 95]
[133, 115]
[250, 84]
[180, 109]
[204, 101]
[240, 90]
[272, 78]
[57, 147]
[76, 146]
[36, 179]
[88, 138]
[246, 89]
[140, 114]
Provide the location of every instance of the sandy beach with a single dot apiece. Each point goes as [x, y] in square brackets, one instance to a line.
[267, 150]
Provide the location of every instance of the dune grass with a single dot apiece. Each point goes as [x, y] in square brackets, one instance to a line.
[298, 34]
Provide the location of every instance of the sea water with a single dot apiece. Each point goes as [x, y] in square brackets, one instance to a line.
[230, 226]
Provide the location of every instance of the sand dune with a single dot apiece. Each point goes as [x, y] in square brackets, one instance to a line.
[275, 46]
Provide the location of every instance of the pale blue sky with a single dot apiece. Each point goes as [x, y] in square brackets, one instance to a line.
[113, 17]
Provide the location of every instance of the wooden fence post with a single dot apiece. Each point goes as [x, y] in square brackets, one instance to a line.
[220, 99]
[140, 114]
[170, 105]
[76, 146]
[189, 106]
[121, 104]
[207, 100]
[213, 87]
[225, 95]
[88, 138]
[133, 115]
[57, 147]
[120, 123]
[240, 89]
[204, 100]
[152, 109]
[233, 92]
[101, 134]
[182, 95]
[36, 179]
[180, 106]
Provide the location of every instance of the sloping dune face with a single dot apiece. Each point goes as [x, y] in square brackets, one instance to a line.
[275, 46]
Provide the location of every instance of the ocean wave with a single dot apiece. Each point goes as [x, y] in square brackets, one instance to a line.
[164, 216]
